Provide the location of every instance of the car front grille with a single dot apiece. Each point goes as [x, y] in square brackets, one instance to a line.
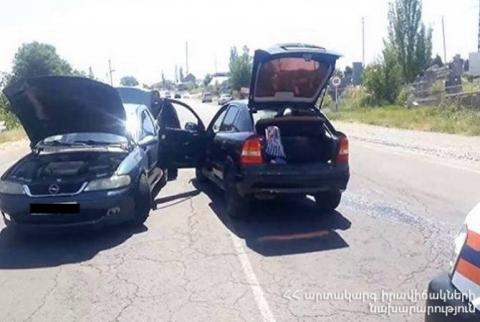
[54, 188]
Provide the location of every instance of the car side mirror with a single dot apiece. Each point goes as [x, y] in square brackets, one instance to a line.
[191, 126]
[147, 140]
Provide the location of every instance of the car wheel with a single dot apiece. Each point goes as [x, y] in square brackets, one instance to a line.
[328, 200]
[143, 201]
[199, 176]
[237, 206]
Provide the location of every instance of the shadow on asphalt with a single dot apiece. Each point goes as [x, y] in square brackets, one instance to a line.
[282, 226]
[20, 251]
[178, 198]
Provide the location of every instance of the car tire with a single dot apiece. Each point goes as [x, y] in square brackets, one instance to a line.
[143, 201]
[328, 200]
[199, 176]
[236, 205]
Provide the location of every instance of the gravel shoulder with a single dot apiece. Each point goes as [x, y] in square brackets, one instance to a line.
[457, 149]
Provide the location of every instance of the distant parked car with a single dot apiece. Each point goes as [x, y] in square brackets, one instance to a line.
[207, 98]
[168, 95]
[224, 99]
[185, 95]
[177, 95]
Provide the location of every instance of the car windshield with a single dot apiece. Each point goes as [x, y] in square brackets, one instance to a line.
[134, 96]
[297, 76]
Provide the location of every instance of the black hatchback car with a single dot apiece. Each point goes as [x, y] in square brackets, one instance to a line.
[278, 142]
[94, 160]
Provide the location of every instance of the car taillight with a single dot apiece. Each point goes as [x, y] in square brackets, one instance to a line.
[342, 156]
[252, 151]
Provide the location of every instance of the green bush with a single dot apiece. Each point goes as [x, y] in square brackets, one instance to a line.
[328, 101]
[404, 96]
[5, 115]
[383, 79]
[356, 97]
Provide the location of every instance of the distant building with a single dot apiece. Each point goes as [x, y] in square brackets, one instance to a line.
[218, 80]
[474, 64]
[357, 73]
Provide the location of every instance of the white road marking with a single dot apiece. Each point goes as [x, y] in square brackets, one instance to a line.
[418, 156]
[252, 280]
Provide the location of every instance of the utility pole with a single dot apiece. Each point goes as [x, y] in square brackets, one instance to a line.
[110, 71]
[363, 41]
[444, 41]
[186, 58]
[479, 26]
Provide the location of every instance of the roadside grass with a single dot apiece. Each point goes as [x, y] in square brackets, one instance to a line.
[12, 135]
[435, 119]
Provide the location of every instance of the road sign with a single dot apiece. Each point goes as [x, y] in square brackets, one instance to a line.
[336, 81]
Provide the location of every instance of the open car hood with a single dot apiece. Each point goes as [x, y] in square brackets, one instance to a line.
[290, 75]
[53, 105]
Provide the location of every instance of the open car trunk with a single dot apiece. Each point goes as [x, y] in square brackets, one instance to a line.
[305, 139]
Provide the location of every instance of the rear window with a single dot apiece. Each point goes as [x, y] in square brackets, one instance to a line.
[296, 77]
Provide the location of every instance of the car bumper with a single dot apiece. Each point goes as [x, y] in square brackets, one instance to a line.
[294, 179]
[97, 209]
[444, 303]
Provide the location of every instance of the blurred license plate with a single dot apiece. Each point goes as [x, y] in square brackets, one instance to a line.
[54, 208]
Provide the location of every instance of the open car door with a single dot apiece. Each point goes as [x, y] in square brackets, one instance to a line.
[181, 136]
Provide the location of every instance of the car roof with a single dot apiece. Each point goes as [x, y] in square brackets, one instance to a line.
[134, 88]
[240, 102]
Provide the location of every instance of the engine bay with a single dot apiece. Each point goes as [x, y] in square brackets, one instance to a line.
[78, 166]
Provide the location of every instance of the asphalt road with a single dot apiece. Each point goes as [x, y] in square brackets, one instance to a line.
[390, 236]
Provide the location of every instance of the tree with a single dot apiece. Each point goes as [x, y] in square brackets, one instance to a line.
[383, 79]
[128, 81]
[240, 68]
[348, 73]
[411, 40]
[38, 59]
[208, 78]
[5, 114]
[91, 75]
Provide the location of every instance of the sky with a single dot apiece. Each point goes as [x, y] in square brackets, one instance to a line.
[144, 38]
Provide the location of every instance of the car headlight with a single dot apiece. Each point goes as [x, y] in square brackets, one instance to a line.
[11, 188]
[459, 243]
[114, 182]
